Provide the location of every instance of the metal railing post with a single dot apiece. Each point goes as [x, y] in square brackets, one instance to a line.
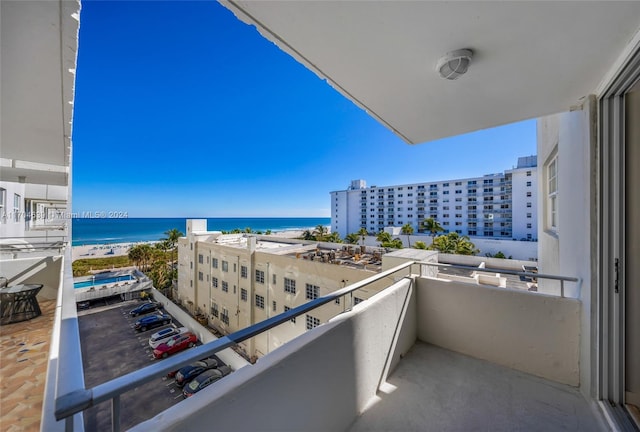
[115, 413]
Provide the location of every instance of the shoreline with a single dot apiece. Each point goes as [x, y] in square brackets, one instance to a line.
[119, 249]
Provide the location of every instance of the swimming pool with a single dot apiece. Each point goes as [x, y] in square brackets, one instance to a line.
[102, 281]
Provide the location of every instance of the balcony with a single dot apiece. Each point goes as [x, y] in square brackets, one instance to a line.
[428, 337]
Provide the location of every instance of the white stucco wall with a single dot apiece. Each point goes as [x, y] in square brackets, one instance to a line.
[570, 250]
[530, 332]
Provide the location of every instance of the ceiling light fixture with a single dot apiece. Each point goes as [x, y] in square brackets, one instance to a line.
[454, 64]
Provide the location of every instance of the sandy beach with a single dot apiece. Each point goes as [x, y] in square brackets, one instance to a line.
[118, 249]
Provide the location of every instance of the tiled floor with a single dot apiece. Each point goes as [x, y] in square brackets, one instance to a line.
[24, 351]
[434, 389]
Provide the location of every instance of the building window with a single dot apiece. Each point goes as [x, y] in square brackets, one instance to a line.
[552, 194]
[312, 291]
[191, 264]
[243, 272]
[260, 276]
[200, 259]
[529, 225]
[16, 207]
[273, 279]
[259, 301]
[225, 316]
[528, 183]
[214, 262]
[214, 282]
[312, 322]
[225, 266]
[287, 308]
[225, 286]
[274, 305]
[528, 173]
[289, 286]
[3, 204]
[200, 276]
[243, 294]
[528, 205]
[528, 194]
[528, 215]
[214, 310]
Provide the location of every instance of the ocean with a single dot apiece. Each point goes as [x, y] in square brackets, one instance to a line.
[104, 231]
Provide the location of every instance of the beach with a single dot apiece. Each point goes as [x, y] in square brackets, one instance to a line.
[119, 249]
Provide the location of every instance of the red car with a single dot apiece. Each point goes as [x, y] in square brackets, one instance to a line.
[175, 344]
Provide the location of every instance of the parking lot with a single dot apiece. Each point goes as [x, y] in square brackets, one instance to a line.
[111, 348]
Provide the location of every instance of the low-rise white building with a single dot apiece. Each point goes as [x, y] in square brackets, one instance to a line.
[237, 280]
[502, 205]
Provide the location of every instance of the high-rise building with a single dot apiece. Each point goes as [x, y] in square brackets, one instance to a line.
[502, 205]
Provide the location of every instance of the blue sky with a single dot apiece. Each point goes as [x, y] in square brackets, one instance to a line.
[182, 110]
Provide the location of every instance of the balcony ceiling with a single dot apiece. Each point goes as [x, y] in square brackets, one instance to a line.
[38, 50]
[531, 58]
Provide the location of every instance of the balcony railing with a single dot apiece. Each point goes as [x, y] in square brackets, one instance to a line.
[69, 404]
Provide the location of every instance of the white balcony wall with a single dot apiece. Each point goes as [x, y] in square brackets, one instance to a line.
[320, 381]
[37, 270]
[533, 333]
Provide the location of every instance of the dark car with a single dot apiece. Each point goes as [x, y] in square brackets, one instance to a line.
[145, 308]
[176, 343]
[187, 373]
[151, 321]
[205, 379]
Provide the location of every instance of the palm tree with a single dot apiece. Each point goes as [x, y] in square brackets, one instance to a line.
[420, 245]
[407, 229]
[432, 226]
[453, 243]
[334, 237]
[383, 237]
[363, 233]
[306, 235]
[135, 255]
[352, 238]
[320, 232]
[172, 242]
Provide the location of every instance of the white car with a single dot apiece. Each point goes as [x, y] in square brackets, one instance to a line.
[164, 335]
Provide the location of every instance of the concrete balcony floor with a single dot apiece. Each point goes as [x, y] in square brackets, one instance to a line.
[434, 389]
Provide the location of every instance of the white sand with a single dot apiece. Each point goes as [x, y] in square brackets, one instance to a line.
[119, 249]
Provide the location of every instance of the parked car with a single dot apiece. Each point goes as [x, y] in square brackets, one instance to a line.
[151, 321]
[205, 379]
[187, 373]
[165, 334]
[145, 308]
[175, 344]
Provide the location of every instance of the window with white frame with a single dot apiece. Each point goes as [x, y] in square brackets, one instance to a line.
[225, 316]
[225, 286]
[17, 200]
[243, 272]
[225, 266]
[200, 259]
[312, 322]
[260, 276]
[312, 291]
[214, 310]
[3, 205]
[259, 301]
[552, 194]
[214, 282]
[243, 294]
[214, 262]
[200, 276]
[289, 285]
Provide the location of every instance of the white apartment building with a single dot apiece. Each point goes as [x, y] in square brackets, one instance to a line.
[237, 280]
[502, 206]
